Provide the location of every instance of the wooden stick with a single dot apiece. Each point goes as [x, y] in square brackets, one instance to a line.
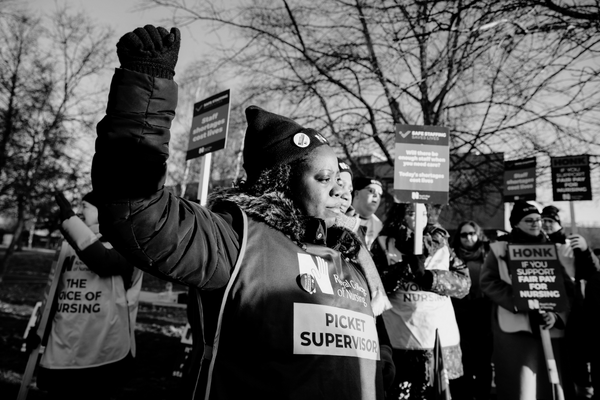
[557, 391]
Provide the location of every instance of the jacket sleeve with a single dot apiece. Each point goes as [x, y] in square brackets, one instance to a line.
[586, 263]
[158, 232]
[493, 286]
[100, 259]
[455, 282]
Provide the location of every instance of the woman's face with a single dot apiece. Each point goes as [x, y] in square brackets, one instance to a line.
[531, 224]
[317, 190]
[468, 236]
[346, 195]
[410, 217]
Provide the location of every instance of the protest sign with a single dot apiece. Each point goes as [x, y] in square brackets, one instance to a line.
[519, 180]
[571, 178]
[44, 318]
[536, 277]
[209, 125]
[422, 164]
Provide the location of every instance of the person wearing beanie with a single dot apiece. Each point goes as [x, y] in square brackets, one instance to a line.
[366, 197]
[91, 345]
[353, 224]
[581, 263]
[518, 357]
[289, 296]
[551, 224]
[420, 288]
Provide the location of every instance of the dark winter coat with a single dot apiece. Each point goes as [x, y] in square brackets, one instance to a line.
[238, 249]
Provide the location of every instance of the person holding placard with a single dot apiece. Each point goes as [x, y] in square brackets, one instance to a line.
[91, 344]
[518, 356]
[419, 287]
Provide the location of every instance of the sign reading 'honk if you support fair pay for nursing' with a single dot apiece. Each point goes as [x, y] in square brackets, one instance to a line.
[422, 164]
[537, 280]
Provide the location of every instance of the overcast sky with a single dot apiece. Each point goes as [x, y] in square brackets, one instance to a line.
[122, 17]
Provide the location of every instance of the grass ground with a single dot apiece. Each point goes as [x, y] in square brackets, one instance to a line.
[157, 331]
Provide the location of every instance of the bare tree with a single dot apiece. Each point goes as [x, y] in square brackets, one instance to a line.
[48, 104]
[518, 77]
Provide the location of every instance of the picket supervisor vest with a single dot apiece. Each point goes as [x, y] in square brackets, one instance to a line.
[416, 313]
[91, 326]
[509, 321]
[296, 323]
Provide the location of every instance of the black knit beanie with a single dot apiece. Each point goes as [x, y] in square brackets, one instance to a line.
[272, 140]
[361, 182]
[551, 212]
[520, 210]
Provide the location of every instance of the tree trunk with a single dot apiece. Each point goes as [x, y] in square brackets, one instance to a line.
[11, 248]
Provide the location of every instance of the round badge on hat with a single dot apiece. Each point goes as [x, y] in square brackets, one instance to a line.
[301, 140]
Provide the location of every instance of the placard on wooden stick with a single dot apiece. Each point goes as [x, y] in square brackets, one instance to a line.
[422, 164]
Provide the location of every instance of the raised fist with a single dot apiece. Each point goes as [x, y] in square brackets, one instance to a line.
[150, 50]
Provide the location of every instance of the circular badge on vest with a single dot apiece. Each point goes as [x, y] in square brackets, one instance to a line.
[307, 283]
[301, 140]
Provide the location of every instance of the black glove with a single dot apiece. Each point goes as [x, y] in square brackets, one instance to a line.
[66, 211]
[421, 276]
[32, 341]
[544, 319]
[389, 369]
[150, 50]
[392, 275]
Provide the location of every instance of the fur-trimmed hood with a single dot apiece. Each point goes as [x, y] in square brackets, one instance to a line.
[274, 209]
[280, 213]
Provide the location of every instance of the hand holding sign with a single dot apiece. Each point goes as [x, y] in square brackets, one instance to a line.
[578, 242]
[546, 320]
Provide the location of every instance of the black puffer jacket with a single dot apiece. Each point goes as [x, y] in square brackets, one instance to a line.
[198, 246]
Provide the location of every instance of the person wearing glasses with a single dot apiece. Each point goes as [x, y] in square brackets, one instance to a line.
[473, 316]
[518, 357]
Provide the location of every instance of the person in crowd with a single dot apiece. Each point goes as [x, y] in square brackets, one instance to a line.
[580, 263]
[388, 368]
[419, 288]
[346, 177]
[473, 315]
[289, 298]
[91, 344]
[366, 197]
[518, 357]
[591, 308]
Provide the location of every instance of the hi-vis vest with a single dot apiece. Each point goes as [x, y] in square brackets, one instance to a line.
[509, 321]
[416, 314]
[295, 323]
[93, 321]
